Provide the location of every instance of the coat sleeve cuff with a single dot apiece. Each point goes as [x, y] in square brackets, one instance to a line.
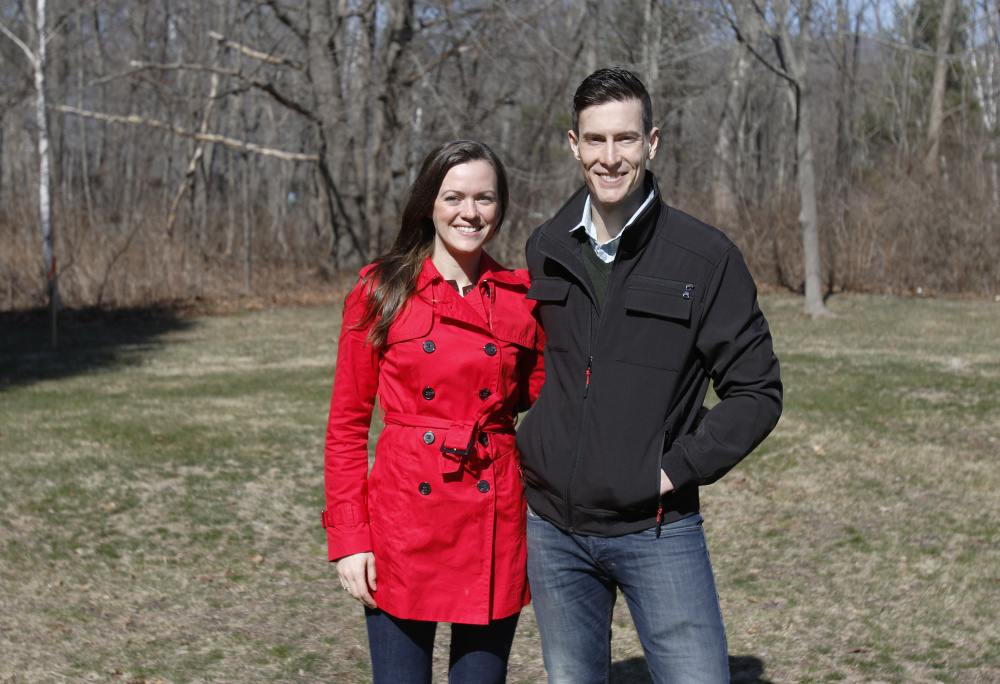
[677, 468]
[346, 540]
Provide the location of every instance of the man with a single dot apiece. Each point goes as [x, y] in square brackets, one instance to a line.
[642, 306]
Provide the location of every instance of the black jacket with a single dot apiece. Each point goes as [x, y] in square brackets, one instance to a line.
[623, 385]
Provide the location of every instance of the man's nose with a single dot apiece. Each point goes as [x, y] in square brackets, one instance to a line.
[609, 155]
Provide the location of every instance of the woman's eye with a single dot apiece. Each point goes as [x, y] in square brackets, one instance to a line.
[486, 200]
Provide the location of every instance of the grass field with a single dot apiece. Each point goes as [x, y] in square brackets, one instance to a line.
[160, 488]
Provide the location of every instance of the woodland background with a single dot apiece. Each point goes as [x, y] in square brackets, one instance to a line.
[204, 149]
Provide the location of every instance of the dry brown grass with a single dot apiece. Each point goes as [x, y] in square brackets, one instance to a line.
[162, 477]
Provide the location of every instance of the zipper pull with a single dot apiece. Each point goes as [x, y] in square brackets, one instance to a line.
[687, 291]
[586, 387]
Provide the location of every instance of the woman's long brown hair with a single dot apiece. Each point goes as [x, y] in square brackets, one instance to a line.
[393, 278]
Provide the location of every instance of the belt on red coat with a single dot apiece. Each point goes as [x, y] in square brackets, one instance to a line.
[460, 436]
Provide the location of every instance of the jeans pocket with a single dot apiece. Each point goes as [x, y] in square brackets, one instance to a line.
[688, 525]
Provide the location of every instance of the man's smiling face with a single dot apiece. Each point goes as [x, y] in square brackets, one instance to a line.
[613, 152]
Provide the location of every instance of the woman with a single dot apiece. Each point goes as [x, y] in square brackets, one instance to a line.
[444, 337]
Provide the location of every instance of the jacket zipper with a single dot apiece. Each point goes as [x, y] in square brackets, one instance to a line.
[570, 522]
[688, 288]
[591, 345]
[659, 469]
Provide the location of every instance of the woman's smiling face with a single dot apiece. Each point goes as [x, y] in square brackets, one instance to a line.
[465, 210]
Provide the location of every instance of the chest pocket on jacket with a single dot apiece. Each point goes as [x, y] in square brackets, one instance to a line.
[518, 332]
[404, 351]
[657, 330]
[416, 321]
[551, 295]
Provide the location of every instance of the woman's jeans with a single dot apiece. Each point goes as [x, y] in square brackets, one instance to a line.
[402, 650]
[667, 581]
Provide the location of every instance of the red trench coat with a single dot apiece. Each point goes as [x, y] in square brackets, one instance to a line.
[447, 529]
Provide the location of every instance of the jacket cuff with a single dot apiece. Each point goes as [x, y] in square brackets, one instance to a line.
[346, 540]
[677, 468]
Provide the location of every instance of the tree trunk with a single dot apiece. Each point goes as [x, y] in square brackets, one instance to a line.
[384, 124]
[591, 41]
[44, 194]
[847, 46]
[652, 36]
[932, 162]
[808, 213]
[347, 245]
[725, 162]
[36, 58]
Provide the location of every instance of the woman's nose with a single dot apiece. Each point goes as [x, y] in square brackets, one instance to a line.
[469, 209]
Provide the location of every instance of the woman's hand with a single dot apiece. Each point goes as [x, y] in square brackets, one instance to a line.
[357, 574]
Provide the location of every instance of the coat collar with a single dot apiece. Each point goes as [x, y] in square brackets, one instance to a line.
[557, 242]
[489, 271]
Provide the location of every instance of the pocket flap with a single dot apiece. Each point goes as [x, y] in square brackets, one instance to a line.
[662, 298]
[516, 332]
[416, 321]
[549, 290]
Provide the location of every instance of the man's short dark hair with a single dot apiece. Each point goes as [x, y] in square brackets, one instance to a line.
[613, 84]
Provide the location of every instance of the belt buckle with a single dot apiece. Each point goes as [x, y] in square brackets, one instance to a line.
[459, 452]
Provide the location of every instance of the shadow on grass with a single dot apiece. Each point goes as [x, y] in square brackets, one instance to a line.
[88, 340]
[742, 670]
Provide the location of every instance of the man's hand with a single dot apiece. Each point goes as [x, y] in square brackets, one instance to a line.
[666, 486]
[357, 574]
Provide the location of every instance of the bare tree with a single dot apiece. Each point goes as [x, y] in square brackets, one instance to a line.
[932, 162]
[725, 163]
[227, 145]
[37, 59]
[790, 60]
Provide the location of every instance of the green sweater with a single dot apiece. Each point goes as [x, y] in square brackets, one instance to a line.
[599, 272]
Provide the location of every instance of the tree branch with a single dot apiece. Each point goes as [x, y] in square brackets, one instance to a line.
[756, 53]
[293, 24]
[265, 86]
[255, 54]
[177, 130]
[32, 57]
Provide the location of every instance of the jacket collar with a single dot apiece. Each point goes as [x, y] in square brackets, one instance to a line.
[556, 241]
[489, 270]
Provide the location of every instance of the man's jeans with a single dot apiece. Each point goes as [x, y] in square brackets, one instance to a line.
[669, 587]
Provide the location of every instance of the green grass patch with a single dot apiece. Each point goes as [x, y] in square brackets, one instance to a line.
[162, 480]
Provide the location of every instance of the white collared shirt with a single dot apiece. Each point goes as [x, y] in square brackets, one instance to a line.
[606, 252]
